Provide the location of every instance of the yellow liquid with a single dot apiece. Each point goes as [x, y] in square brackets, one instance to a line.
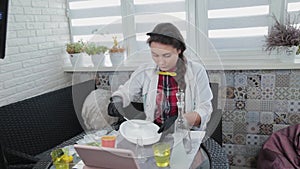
[162, 158]
[61, 165]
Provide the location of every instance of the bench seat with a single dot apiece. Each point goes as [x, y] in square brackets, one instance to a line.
[32, 127]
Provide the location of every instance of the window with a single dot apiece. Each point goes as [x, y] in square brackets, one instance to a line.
[149, 13]
[235, 28]
[242, 23]
[95, 20]
[129, 20]
[293, 8]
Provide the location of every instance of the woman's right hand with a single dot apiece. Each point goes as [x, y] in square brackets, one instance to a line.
[115, 107]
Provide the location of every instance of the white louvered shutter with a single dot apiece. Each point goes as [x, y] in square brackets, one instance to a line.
[237, 24]
[95, 20]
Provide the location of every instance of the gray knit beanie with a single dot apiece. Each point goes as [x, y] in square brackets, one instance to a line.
[169, 30]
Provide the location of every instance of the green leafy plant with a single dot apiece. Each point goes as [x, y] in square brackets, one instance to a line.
[283, 35]
[93, 49]
[116, 47]
[75, 47]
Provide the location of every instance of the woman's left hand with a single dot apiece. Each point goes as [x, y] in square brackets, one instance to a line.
[193, 118]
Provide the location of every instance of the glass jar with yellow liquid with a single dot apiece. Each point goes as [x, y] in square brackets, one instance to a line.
[162, 153]
[61, 159]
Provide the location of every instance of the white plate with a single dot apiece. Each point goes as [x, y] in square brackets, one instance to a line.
[132, 129]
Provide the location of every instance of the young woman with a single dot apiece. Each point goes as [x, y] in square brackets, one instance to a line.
[158, 83]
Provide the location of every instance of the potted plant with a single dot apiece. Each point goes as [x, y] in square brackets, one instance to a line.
[284, 38]
[96, 52]
[75, 50]
[116, 53]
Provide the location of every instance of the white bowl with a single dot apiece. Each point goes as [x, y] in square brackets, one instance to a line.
[133, 129]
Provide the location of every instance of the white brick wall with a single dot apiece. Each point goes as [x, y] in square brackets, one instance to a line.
[36, 37]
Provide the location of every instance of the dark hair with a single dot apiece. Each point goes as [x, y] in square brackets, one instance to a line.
[181, 66]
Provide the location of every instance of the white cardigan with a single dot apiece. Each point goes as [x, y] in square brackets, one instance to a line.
[143, 82]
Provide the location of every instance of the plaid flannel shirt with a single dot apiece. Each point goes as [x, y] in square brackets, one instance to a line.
[166, 101]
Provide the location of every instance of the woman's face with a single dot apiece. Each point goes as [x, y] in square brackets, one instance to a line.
[165, 56]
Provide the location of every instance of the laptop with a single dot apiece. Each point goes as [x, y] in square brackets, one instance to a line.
[105, 158]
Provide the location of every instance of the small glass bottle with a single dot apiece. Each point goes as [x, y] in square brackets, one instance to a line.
[181, 124]
[140, 150]
[179, 158]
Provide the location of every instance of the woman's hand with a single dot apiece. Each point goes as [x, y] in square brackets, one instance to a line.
[115, 107]
[167, 124]
[193, 118]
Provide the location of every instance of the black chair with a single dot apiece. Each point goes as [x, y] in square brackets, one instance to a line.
[216, 154]
[214, 126]
[212, 143]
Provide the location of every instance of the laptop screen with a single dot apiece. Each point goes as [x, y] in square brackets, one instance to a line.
[106, 158]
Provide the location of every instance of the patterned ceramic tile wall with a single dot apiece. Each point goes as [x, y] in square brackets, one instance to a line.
[258, 103]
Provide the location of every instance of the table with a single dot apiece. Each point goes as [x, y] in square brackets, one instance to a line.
[209, 149]
[150, 162]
